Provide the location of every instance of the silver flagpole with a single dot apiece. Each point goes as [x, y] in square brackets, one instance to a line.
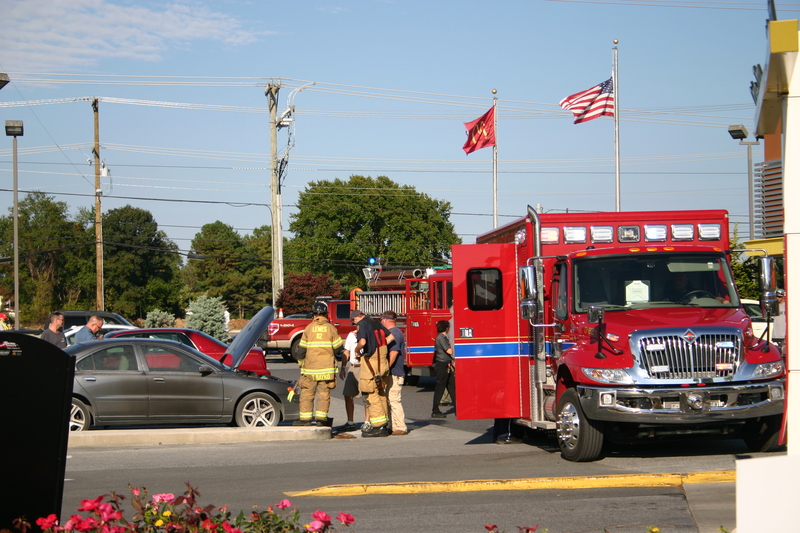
[615, 83]
[494, 160]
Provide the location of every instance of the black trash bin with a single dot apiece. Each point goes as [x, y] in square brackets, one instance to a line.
[36, 397]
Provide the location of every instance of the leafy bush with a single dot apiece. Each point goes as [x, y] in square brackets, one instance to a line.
[207, 314]
[182, 514]
[159, 319]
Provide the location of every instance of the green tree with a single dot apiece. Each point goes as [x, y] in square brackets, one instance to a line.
[224, 270]
[302, 289]
[141, 265]
[745, 270]
[341, 224]
[50, 244]
[207, 314]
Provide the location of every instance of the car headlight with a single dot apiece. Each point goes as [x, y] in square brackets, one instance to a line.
[608, 375]
[768, 370]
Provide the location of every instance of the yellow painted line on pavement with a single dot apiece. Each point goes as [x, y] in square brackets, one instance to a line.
[575, 482]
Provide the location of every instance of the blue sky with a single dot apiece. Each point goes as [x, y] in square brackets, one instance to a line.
[393, 83]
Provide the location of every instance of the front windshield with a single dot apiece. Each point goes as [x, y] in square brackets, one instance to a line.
[655, 280]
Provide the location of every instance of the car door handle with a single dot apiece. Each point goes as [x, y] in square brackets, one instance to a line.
[159, 380]
[89, 379]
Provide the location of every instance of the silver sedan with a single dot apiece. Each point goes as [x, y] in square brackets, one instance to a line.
[153, 382]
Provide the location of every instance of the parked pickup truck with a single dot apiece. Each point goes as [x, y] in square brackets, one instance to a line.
[283, 334]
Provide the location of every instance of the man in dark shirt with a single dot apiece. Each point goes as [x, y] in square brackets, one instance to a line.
[373, 381]
[53, 333]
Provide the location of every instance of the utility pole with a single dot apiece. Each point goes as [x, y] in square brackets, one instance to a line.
[98, 215]
[275, 185]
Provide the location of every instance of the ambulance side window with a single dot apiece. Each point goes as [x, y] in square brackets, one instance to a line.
[561, 296]
[484, 289]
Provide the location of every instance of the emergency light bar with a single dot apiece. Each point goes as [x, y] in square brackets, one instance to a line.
[631, 233]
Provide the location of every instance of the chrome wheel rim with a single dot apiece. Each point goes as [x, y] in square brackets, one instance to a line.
[259, 412]
[77, 419]
[569, 426]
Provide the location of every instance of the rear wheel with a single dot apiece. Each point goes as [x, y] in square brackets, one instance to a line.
[579, 438]
[294, 352]
[79, 416]
[761, 434]
[257, 409]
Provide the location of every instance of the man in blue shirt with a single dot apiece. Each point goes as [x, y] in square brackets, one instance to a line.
[397, 361]
[89, 331]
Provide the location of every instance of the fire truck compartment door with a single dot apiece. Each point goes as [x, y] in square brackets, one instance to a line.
[491, 340]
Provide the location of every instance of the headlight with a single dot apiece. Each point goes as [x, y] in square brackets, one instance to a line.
[768, 370]
[608, 375]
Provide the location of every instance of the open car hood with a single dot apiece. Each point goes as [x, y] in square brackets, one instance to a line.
[246, 338]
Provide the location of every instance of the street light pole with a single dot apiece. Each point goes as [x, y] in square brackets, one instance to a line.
[739, 132]
[14, 129]
[750, 183]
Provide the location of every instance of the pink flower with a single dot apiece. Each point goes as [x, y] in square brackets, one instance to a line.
[90, 505]
[208, 524]
[47, 523]
[230, 529]
[285, 504]
[321, 516]
[346, 519]
[490, 527]
[166, 497]
[316, 525]
[135, 492]
[528, 529]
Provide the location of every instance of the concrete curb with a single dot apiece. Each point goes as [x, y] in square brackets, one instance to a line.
[221, 435]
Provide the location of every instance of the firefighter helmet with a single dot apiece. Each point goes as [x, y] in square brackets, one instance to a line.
[319, 308]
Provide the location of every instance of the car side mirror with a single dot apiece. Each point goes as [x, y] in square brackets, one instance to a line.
[205, 370]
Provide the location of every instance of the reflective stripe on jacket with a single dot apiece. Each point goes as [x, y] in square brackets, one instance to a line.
[320, 339]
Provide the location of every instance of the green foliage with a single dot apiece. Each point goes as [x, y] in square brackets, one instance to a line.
[141, 265]
[232, 268]
[52, 251]
[207, 314]
[159, 319]
[341, 224]
[745, 270]
[302, 289]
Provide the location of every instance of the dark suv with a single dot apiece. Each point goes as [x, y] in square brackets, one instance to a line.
[80, 318]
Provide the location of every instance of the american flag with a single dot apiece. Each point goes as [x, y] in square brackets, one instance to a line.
[591, 103]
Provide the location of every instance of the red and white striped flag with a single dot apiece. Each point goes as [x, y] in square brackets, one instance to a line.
[591, 103]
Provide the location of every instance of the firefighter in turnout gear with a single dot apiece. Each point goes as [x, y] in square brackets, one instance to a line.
[319, 346]
[373, 381]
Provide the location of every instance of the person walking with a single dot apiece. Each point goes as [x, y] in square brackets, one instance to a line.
[53, 333]
[351, 368]
[318, 348]
[779, 322]
[89, 332]
[443, 364]
[397, 373]
[374, 378]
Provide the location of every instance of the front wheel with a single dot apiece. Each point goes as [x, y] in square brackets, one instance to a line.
[79, 416]
[579, 438]
[761, 434]
[257, 409]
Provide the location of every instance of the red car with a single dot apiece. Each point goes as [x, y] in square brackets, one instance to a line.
[254, 361]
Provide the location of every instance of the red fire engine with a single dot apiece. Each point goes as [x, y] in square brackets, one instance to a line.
[616, 326]
[420, 297]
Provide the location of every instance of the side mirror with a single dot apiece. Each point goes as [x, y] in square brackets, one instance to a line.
[768, 284]
[205, 369]
[596, 314]
[527, 283]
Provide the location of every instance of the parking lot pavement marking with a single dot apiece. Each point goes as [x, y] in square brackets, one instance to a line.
[573, 482]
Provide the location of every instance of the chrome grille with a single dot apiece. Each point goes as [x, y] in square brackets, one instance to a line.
[675, 357]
